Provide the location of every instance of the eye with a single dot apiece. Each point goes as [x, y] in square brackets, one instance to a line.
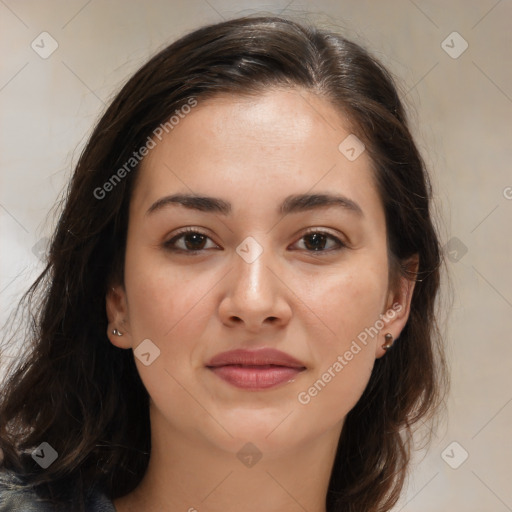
[188, 240]
[316, 241]
[193, 241]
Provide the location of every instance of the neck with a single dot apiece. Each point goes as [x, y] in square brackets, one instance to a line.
[193, 474]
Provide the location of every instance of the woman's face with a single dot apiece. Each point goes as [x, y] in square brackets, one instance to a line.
[289, 253]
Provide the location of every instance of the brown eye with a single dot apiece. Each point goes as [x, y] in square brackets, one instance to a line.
[188, 241]
[316, 241]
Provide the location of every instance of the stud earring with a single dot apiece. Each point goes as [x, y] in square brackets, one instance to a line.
[389, 341]
[116, 332]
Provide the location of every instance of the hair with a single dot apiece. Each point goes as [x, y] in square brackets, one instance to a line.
[76, 391]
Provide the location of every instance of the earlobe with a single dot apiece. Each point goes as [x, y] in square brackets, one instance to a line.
[399, 306]
[117, 314]
[389, 341]
[114, 337]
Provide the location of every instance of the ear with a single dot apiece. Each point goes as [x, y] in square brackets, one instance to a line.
[398, 305]
[117, 314]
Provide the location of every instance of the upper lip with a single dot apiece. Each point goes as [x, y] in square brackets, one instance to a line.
[255, 357]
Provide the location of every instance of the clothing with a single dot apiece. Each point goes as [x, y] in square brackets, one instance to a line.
[15, 497]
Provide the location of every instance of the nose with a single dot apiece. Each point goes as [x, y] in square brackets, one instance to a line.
[255, 296]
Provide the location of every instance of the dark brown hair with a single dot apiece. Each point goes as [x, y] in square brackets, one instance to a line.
[78, 392]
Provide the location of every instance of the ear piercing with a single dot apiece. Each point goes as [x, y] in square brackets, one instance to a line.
[389, 341]
[116, 332]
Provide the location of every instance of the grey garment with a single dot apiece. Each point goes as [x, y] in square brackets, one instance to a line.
[15, 497]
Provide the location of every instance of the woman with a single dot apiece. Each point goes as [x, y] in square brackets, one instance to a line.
[238, 307]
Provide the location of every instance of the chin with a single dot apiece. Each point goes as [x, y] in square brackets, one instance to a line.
[272, 429]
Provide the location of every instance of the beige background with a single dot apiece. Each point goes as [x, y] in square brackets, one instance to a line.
[461, 112]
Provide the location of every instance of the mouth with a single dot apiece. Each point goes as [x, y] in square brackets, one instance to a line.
[255, 369]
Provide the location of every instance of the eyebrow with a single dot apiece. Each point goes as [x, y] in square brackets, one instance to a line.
[292, 204]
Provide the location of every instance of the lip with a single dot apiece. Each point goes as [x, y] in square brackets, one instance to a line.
[255, 357]
[255, 369]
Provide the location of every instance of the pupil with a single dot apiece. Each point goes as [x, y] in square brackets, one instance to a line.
[197, 238]
[316, 237]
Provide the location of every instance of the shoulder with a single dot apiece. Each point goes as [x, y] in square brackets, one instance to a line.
[16, 496]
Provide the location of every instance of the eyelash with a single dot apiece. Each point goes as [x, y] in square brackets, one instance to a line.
[169, 245]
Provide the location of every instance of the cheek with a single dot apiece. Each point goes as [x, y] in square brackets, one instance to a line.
[336, 390]
[349, 305]
[348, 302]
[163, 298]
[169, 308]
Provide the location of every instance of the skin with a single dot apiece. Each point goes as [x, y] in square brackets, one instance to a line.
[252, 152]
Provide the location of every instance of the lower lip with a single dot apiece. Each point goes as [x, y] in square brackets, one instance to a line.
[256, 377]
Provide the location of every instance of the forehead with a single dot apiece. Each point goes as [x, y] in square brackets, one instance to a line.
[256, 150]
